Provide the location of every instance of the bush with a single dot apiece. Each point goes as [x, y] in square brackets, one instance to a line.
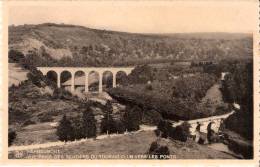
[157, 132]
[36, 79]
[149, 87]
[181, 132]
[241, 148]
[151, 117]
[11, 137]
[65, 130]
[60, 93]
[161, 152]
[164, 127]
[28, 122]
[46, 118]
[15, 56]
[241, 126]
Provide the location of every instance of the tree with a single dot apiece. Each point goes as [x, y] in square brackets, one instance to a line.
[132, 118]
[15, 56]
[65, 130]
[78, 130]
[11, 137]
[89, 123]
[238, 87]
[108, 123]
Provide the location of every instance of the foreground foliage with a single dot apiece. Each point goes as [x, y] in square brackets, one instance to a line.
[180, 132]
[238, 88]
[77, 128]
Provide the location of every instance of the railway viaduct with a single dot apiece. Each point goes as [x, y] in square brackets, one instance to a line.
[86, 71]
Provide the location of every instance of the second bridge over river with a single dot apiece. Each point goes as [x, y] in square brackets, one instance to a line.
[58, 71]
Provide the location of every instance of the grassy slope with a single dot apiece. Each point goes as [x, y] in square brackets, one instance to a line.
[28, 103]
[16, 74]
[134, 144]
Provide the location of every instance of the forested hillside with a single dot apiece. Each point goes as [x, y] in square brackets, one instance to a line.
[69, 45]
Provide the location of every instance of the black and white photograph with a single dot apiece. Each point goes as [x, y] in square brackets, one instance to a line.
[131, 80]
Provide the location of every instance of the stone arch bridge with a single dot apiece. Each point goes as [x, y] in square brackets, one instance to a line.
[86, 71]
[216, 120]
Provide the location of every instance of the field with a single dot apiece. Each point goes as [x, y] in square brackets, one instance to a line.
[137, 144]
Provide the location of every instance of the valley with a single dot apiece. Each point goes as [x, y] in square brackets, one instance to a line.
[174, 79]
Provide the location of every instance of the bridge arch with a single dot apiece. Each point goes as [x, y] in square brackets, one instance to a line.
[94, 81]
[107, 79]
[67, 79]
[53, 76]
[80, 80]
[121, 77]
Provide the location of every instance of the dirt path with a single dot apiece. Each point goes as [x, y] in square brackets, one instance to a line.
[60, 143]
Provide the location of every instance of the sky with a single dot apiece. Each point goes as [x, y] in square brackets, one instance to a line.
[141, 16]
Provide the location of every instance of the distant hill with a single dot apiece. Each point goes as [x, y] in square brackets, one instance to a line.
[70, 45]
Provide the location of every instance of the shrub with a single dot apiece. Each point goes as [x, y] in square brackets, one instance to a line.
[149, 87]
[160, 151]
[164, 127]
[28, 122]
[46, 118]
[36, 79]
[11, 137]
[181, 132]
[15, 56]
[60, 93]
[154, 146]
[241, 148]
[151, 117]
[65, 130]
[241, 126]
[157, 132]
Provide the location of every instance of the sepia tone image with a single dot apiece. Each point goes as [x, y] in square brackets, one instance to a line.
[130, 80]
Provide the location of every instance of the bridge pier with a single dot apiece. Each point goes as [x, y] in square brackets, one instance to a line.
[72, 81]
[114, 80]
[86, 82]
[100, 83]
[58, 79]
